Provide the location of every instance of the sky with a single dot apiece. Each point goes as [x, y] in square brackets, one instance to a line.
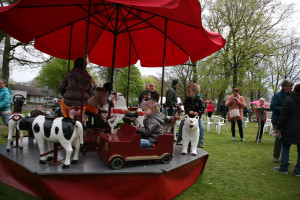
[25, 74]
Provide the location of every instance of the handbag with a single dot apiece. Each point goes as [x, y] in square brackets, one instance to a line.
[234, 113]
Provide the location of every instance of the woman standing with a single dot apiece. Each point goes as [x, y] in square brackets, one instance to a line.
[4, 102]
[236, 101]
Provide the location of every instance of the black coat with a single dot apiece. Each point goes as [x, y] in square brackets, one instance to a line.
[194, 104]
[289, 121]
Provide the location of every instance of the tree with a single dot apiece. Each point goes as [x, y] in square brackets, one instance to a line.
[249, 27]
[136, 83]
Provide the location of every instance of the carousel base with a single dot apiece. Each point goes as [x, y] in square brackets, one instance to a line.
[91, 178]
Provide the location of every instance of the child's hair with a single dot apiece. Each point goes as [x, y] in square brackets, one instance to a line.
[261, 99]
[5, 84]
[151, 104]
[194, 87]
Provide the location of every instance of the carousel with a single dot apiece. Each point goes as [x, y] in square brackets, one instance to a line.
[103, 163]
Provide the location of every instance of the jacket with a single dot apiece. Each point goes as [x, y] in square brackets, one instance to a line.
[153, 126]
[210, 108]
[223, 108]
[289, 121]
[240, 104]
[71, 87]
[4, 99]
[194, 104]
[171, 97]
[276, 105]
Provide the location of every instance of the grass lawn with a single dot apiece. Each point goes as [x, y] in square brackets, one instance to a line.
[234, 170]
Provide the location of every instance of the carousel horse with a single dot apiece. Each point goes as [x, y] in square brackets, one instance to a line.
[56, 130]
[120, 110]
[174, 122]
[14, 119]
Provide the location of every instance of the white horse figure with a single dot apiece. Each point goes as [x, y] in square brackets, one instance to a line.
[120, 110]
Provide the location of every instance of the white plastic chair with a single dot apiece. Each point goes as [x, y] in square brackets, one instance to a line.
[219, 123]
[246, 121]
[208, 123]
[268, 127]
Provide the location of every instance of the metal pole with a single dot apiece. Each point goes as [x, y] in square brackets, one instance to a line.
[115, 45]
[164, 57]
[128, 78]
[85, 57]
[70, 45]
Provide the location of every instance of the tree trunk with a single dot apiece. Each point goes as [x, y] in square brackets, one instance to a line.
[5, 63]
[194, 66]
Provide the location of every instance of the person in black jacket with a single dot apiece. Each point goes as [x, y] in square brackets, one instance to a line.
[171, 98]
[193, 106]
[224, 110]
[289, 126]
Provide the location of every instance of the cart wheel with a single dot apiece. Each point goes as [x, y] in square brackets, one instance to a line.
[166, 159]
[117, 163]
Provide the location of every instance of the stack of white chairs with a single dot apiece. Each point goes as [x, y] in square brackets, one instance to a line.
[208, 122]
[268, 126]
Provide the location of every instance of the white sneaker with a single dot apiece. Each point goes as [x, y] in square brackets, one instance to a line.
[233, 139]
[243, 140]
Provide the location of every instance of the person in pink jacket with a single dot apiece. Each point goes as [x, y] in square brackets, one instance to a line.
[210, 109]
[236, 101]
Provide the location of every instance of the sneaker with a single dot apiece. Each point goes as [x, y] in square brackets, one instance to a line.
[233, 139]
[200, 146]
[275, 160]
[278, 169]
[243, 140]
[179, 143]
[293, 172]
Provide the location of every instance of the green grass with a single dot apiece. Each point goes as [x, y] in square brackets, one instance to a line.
[234, 170]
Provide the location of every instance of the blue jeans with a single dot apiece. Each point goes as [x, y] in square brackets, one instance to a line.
[146, 143]
[285, 154]
[201, 137]
[5, 118]
[224, 114]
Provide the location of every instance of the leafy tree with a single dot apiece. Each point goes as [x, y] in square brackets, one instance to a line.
[249, 27]
[136, 83]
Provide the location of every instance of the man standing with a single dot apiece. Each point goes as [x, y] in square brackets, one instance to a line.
[141, 97]
[171, 98]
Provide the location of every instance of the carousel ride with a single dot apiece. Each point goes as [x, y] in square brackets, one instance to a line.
[111, 33]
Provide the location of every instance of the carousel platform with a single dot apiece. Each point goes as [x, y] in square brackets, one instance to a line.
[91, 178]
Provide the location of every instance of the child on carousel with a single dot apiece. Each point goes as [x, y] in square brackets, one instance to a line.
[153, 125]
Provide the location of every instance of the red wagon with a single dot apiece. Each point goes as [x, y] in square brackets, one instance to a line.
[117, 149]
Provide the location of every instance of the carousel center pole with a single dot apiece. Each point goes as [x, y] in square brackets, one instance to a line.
[85, 57]
[163, 71]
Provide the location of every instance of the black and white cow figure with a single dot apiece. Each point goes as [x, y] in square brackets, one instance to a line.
[14, 119]
[61, 129]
